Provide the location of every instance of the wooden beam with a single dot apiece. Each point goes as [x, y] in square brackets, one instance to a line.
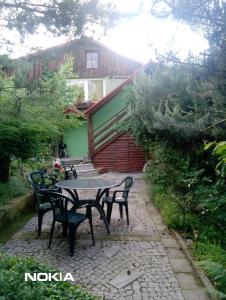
[90, 134]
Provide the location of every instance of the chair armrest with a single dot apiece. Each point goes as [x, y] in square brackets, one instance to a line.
[119, 191]
[71, 201]
[51, 177]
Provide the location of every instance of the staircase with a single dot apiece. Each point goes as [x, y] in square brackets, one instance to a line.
[106, 133]
[83, 166]
[113, 149]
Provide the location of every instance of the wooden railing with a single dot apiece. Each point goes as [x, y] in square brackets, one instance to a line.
[105, 133]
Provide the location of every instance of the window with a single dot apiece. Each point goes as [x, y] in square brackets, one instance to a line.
[91, 60]
[93, 89]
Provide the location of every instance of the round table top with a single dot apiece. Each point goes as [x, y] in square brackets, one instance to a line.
[87, 184]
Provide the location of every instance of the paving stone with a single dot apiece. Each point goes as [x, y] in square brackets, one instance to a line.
[195, 295]
[175, 253]
[112, 251]
[180, 265]
[170, 243]
[137, 291]
[187, 281]
[125, 278]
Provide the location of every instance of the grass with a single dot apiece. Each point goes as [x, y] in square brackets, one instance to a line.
[208, 251]
[11, 229]
[12, 189]
[168, 207]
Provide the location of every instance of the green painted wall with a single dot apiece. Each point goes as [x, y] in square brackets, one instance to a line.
[77, 141]
[77, 138]
[109, 110]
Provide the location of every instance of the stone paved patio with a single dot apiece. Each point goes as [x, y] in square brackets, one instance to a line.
[141, 261]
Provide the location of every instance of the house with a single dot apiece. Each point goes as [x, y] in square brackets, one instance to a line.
[102, 76]
[99, 69]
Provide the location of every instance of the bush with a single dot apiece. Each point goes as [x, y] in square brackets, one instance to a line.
[14, 287]
[217, 273]
[173, 167]
[12, 189]
[168, 206]
[209, 251]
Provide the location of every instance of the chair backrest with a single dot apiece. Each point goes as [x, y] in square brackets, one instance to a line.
[59, 203]
[69, 168]
[41, 179]
[128, 184]
[37, 180]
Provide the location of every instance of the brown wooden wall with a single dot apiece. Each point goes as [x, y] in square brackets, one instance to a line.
[122, 155]
[110, 63]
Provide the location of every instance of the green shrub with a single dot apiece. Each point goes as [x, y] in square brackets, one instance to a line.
[197, 198]
[12, 189]
[217, 273]
[209, 251]
[171, 167]
[168, 207]
[14, 287]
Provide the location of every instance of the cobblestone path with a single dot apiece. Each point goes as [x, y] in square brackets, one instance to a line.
[141, 261]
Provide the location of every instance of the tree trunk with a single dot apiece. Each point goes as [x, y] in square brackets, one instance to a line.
[4, 167]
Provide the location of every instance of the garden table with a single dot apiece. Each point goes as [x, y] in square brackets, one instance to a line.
[99, 184]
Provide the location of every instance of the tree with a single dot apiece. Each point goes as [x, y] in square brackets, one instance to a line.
[30, 116]
[208, 17]
[174, 104]
[69, 17]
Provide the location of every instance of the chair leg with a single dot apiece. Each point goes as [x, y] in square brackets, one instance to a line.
[40, 218]
[102, 205]
[51, 233]
[103, 216]
[72, 230]
[127, 212]
[89, 213]
[65, 228]
[66, 175]
[109, 210]
[120, 210]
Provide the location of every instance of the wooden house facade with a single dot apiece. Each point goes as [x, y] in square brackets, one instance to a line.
[103, 74]
[99, 69]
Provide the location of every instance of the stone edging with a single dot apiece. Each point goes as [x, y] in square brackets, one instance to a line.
[15, 208]
[205, 281]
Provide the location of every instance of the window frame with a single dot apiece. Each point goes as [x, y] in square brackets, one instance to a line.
[92, 62]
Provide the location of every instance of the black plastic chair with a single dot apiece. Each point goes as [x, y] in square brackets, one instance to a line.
[41, 181]
[68, 217]
[121, 200]
[69, 170]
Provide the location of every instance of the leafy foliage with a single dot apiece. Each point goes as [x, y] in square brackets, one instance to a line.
[12, 189]
[219, 150]
[217, 273]
[33, 115]
[175, 104]
[68, 17]
[13, 285]
[206, 250]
